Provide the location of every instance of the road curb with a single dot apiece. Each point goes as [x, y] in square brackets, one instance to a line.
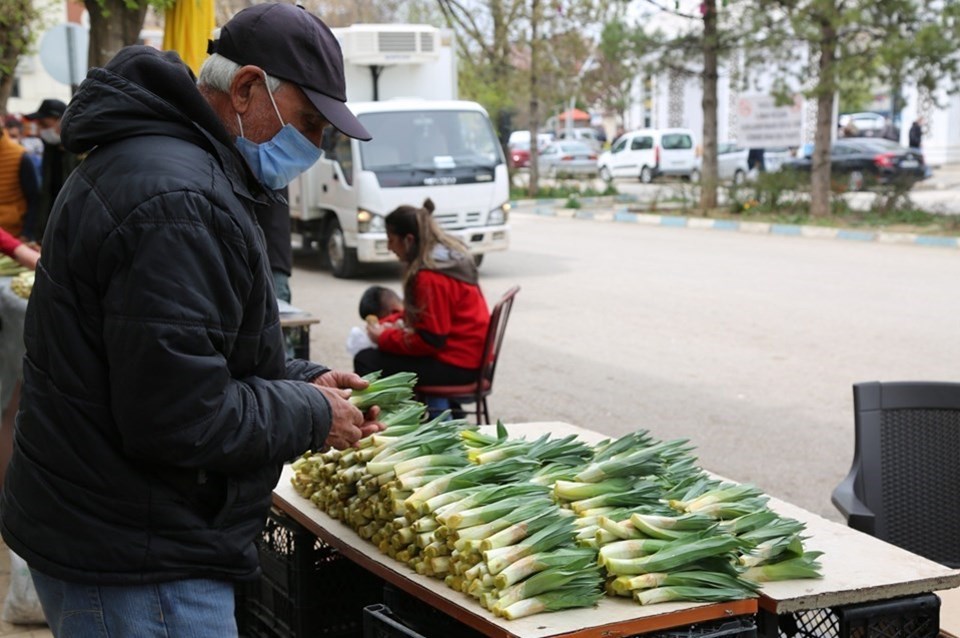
[553, 208]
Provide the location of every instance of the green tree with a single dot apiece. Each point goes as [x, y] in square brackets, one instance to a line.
[18, 22]
[617, 63]
[518, 55]
[699, 47]
[856, 41]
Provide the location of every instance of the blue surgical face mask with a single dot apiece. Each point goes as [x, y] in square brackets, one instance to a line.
[278, 161]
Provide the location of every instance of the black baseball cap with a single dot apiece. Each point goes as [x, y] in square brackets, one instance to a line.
[48, 108]
[290, 43]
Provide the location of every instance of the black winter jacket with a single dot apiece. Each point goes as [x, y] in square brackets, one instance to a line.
[157, 406]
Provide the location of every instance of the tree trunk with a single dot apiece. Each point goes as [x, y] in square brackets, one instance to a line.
[823, 137]
[6, 87]
[708, 172]
[534, 184]
[112, 27]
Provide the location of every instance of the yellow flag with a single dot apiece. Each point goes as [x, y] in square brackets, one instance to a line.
[187, 27]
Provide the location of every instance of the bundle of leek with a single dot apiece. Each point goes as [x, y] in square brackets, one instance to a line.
[9, 267]
[803, 566]
[674, 555]
[509, 469]
[389, 393]
[715, 499]
[566, 451]
[717, 583]
[643, 461]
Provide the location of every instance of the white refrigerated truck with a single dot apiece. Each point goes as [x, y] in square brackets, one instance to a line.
[401, 83]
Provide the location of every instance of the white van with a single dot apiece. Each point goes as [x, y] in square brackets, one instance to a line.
[650, 153]
[444, 150]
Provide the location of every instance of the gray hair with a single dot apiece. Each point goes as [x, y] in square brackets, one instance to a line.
[217, 73]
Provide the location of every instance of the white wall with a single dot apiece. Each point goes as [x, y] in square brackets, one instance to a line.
[941, 135]
[34, 83]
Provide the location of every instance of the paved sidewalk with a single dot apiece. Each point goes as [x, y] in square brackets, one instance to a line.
[945, 177]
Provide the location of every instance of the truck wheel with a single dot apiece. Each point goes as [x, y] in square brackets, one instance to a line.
[605, 174]
[341, 258]
[646, 175]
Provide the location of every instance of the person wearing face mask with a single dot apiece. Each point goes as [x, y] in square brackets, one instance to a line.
[57, 162]
[157, 406]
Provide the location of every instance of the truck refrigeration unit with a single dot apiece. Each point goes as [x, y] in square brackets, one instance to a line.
[401, 84]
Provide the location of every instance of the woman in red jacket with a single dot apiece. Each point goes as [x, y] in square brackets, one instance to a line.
[445, 318]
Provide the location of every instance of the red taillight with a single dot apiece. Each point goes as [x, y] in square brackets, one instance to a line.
[593, 156]
[884, 160]
[567, 158]
[656, 154]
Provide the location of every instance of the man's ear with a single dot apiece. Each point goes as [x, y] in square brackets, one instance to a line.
[241, 88]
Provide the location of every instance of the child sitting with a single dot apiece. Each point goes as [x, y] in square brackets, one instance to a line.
[378, 304]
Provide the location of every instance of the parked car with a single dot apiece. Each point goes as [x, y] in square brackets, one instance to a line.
[859, 162]
[649, 153]
[520, 155]
[867, 124]
[523, 137]
[588, 136]
[518, 147]
[733, 165]
[567, 158]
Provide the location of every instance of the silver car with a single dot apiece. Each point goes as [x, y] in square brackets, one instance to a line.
[567, 157]
[732, 164]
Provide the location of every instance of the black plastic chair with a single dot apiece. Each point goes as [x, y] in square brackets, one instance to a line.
[904, 485]
[478, 391]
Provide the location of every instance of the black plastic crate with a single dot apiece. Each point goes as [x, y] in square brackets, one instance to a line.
[307, 589]
[913, 617]
[739, 627]
[424, 619]
[380, 622]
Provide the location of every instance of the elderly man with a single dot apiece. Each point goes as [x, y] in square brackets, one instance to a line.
[157, 406]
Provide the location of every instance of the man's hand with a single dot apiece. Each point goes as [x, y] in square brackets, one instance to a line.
[349, 424]
[340, 379]
[346, 419]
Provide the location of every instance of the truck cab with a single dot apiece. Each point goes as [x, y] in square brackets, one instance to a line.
[432, 145]
[445, 150]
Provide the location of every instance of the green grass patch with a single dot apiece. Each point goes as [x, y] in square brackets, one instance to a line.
[563, 190]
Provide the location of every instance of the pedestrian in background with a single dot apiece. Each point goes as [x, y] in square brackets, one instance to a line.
[158, 406]
[916, 133]
[57, 162]
[18, 184]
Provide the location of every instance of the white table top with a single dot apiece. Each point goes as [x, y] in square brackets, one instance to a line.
[856, 568]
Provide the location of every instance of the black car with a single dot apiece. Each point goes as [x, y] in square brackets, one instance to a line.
[859, 162]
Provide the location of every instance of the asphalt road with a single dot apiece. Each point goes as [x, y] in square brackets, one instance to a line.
[747, 345]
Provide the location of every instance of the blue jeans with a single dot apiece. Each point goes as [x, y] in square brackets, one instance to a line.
[178, 609]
